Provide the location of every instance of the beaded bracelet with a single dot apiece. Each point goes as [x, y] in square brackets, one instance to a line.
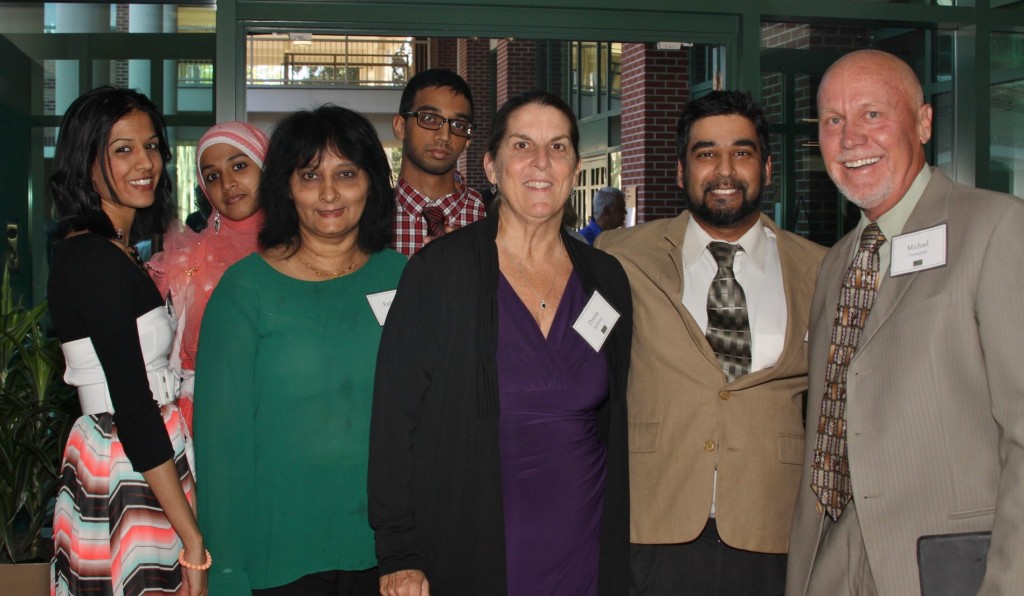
[193, 567]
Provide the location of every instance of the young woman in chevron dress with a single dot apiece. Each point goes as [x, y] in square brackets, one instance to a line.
[124, 523]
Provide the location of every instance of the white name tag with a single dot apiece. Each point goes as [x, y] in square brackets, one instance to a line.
[380, 304]
[596, 321]
[918, 251]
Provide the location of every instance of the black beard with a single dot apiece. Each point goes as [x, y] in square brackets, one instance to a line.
[725, 218]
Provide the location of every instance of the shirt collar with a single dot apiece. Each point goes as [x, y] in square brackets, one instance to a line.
[413, 202]
[893, 221]
[754, 242]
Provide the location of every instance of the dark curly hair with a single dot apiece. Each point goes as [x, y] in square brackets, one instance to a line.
[82, 142]
[301, 139]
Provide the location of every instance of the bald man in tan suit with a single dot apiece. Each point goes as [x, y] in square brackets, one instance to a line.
[934, 408]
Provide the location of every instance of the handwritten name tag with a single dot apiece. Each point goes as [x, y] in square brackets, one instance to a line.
[596, 321]
[380, 304]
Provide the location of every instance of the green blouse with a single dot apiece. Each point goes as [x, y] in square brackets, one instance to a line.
[284, 384]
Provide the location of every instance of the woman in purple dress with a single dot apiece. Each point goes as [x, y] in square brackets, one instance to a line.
[498, 437]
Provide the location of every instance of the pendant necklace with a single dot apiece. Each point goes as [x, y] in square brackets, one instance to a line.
[522, 277]
[132, 251]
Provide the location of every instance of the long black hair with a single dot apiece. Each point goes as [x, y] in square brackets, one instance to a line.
[82, 143]
[301, 139]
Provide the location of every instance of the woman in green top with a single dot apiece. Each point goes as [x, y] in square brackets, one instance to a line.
[285, 368]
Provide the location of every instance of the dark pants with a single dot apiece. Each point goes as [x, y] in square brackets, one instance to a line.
[329, 583]
[705, 567]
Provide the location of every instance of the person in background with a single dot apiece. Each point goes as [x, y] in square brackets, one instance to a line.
[719, 366]
[498, 438]
[123, 520]
[229, 161]
[609, 212]
[435, 125]
[915, 415]
[285, 368]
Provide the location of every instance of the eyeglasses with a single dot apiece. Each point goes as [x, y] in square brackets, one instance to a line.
[432, 121]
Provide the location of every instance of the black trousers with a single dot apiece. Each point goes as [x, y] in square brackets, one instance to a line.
[705, 567]
[329, 583]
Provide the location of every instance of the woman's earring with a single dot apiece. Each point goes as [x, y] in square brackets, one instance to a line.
[494, 189]
[216, 221]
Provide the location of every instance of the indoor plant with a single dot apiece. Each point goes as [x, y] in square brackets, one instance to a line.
[36, 413]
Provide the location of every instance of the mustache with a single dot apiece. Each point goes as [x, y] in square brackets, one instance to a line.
[724, 182]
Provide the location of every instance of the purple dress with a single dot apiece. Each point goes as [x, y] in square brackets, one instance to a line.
[552, 461]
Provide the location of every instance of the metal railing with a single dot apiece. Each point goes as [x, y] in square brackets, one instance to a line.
[332, 61]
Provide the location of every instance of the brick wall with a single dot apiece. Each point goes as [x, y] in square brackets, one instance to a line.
[474, 65]
[119, 68]
[655, 87]
[444, 53]
[516, 69]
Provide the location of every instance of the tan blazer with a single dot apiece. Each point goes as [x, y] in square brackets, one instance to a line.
[935, 410]
[684, 417]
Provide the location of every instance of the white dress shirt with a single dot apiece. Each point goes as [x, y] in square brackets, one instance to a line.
[759, 272]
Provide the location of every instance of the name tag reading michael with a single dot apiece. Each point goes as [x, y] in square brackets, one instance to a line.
[380, 304]
[918, 251]
[596, 321]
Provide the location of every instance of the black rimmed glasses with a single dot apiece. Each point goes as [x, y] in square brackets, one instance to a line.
[432, 121]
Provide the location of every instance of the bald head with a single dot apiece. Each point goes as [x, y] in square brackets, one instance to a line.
[872, 127]
[884, 66]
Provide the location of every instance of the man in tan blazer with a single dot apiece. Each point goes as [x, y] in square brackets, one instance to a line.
[715, 453]
[934, 407]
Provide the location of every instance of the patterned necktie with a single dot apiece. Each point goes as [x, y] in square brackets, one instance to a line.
[728, 329]
[830, 469]
[434, 216]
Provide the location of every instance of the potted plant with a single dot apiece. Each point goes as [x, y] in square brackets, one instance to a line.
[37, 411]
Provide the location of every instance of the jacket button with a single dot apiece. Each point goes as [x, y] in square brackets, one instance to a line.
[723, 394]
[819, 507]
[709, 446]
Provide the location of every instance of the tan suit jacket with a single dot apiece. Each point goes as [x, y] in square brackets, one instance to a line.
[683, 416]
[935, 407]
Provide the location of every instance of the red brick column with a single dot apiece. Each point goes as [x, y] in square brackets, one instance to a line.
[474, 65]
[655, 87]
[444, 53]
[516, 69]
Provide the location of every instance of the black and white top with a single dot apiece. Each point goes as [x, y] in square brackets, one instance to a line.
[97, 293]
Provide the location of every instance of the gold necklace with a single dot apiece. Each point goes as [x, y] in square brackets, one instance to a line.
[328, 274]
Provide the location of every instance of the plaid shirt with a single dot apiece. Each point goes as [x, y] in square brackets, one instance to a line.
[461, 208]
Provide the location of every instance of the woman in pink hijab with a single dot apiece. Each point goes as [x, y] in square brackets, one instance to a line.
[229, 159]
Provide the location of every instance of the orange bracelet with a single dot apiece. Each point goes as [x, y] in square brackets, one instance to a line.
[193, 567]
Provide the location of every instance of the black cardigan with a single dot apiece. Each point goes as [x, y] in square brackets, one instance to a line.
[435, 493]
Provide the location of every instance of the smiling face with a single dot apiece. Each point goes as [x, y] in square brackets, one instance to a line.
[431, 152]
[330, 196]
[535, 167]
[232, 180]
[133, 168]
[872, 127]
[723, 174]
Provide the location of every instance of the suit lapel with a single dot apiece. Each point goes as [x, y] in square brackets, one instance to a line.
[666, 269]
[797, 286]
[932, 209]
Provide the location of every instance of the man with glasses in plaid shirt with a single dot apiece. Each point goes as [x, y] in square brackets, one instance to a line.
[435, 124]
